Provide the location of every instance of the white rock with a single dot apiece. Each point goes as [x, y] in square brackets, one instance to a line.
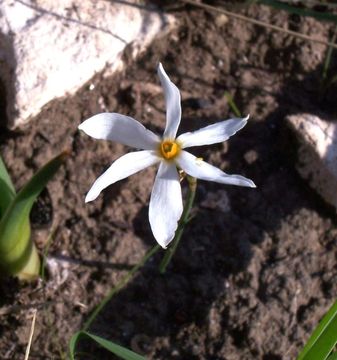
[317, 158]
[51, 48]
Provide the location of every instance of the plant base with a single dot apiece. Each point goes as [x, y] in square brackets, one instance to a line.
[31, 270]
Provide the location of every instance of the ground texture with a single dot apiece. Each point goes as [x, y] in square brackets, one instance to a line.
[256, 268]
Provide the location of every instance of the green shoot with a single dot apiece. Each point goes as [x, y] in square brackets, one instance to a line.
[18, 254]
[232, 104]
[325, 80]
[118, 350]
[325, 16]
[333, 356]
[7, 192]
[323, 339]
[259, 23]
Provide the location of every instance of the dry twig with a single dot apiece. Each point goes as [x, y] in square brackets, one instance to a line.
[259, 23]
[31, 335]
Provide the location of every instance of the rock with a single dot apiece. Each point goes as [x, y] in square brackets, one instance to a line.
[221, 20]
[251, 156]
[49, 49]
[317, 157]
[217, 200]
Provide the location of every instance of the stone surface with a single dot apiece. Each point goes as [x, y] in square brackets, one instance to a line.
[217, 200]
[317, 157]
[51, 48]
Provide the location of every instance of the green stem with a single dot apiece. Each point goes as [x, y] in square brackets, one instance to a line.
[166, 260]
[119, 286]
[232, 104]
[328, 56]
[192, 182]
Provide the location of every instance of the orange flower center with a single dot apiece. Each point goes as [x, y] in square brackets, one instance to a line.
[169, 149]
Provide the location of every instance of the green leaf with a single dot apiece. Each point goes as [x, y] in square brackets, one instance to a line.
[333, 356]
[325, 16]
[118, 350]
[232, 104]
[72, 344]
[323, 339]
[15, 244]
[7, 191]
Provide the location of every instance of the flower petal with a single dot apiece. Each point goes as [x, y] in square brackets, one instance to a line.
[120, 128]
[197, 168]
[173, 106]
[212, 134]
[166, 204]
[123, 167]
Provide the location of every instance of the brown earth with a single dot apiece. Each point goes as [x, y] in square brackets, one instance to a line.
[254, 272]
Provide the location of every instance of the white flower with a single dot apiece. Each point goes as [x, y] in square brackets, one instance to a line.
[166, 204]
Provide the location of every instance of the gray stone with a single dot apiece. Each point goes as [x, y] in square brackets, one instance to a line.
[217, 200]
[49, 49]
[317, 157]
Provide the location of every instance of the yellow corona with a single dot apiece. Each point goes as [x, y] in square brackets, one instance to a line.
[169, 149]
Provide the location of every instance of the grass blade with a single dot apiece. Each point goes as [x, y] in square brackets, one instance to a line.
[232, 104]
[72, 344]
[327, 16]
[333, 356]
[7, 191]
[118, 350]
[328, 57]
[323, 339]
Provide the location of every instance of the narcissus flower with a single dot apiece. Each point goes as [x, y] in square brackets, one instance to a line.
[166, 204]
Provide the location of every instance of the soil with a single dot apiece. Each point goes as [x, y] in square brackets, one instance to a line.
[256, 268]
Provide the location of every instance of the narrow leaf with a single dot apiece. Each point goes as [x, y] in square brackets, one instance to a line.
[7, 191]
[118, 350]
[15, 245]
[333, 356]
[72, 344]
[232, 104]
[328, 57]
[325, 16]
[323, 339]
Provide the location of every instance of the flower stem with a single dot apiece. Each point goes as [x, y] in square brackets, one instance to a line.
[119, 286]
[166, 260]
[192, 182]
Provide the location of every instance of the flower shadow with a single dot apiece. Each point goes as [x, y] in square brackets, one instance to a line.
[225, 258]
